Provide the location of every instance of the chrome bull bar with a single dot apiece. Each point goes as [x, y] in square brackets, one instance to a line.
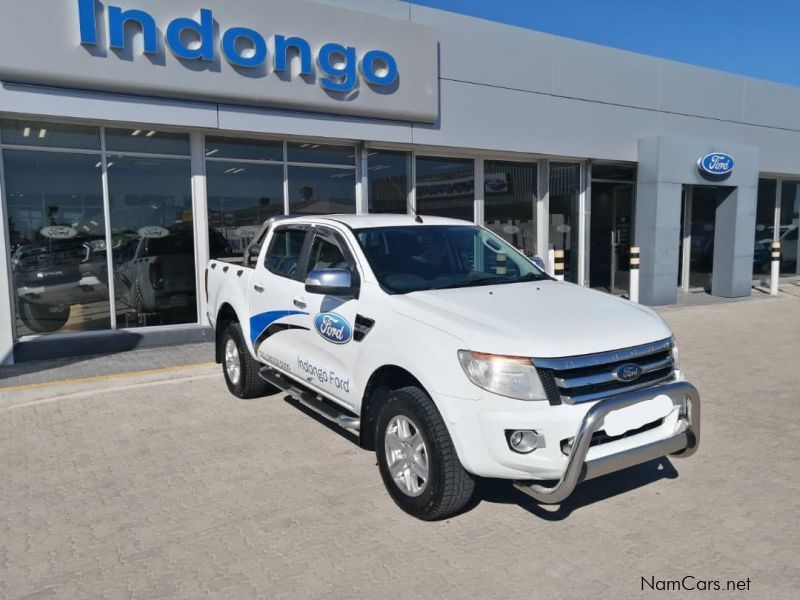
[682, 445]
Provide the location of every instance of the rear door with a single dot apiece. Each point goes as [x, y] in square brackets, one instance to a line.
[329, 355]
[278, 317]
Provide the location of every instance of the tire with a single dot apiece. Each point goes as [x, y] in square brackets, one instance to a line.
[243, 381]
[448, 488]
[41, 318]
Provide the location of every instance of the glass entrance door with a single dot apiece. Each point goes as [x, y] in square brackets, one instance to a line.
[698, 230]
[611, 236]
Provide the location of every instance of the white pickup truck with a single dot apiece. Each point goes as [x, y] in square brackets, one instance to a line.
[451, 354]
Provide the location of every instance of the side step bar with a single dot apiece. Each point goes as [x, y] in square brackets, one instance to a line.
[311, 400]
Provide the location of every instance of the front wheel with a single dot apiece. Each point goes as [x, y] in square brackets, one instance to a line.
[239, 368]
[417, 459]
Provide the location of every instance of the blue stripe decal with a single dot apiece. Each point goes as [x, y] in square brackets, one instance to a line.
[259, 323]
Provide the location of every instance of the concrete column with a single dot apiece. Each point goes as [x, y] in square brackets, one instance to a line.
[734, 242]
[658, 232]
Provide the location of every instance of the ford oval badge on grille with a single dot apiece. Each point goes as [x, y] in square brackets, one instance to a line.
[627, 373]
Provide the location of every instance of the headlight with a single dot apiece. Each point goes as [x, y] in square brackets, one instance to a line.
[676, 357]
[510, 376]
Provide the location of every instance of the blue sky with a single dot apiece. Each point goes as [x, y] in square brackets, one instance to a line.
[760, 38]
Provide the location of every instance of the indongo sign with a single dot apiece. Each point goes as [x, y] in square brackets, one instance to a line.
[193, 40]
[276, 54]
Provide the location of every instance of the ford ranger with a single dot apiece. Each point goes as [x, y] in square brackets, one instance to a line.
[451, 354]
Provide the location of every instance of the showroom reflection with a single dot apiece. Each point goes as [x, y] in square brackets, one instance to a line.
[777, 220]
[58, 235]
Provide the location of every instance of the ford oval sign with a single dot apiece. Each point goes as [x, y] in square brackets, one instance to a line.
[58, 232]
[716, 164]
[333, 328]
[628, 373]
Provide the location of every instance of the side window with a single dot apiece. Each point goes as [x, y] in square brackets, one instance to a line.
[326, 254]
[283, 257]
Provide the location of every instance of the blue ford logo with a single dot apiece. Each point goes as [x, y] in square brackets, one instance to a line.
[716, 163]
[627, 373]
[333, 328]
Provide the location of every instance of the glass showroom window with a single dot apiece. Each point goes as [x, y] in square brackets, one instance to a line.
[56, 227]
[322, 179]
[446, 187]
[765, 227]
[565, 192]
[389, 181]
[510, 202]
[790, 219]
[244, 181]
[152, 230]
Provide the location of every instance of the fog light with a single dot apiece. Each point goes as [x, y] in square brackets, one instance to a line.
[524, 441]
[683, 413]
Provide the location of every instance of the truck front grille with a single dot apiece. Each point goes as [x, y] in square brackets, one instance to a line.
[592, 376]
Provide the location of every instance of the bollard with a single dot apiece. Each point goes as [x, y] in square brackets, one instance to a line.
[551, 261]
[775, 272]
[558, 269]
[634, 275]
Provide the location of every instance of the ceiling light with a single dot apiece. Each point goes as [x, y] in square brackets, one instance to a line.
[98, 165]
[137, 132]
[230, 170]
[150, 134]
[111, 164]
[26, 132]
[42, 133]
[237, 171]
[212, 152]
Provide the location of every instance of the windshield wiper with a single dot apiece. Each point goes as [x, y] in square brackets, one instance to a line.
[469, 283]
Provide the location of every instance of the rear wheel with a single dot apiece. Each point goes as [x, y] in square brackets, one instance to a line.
[417, 459]
[42, 318]
[239, 368]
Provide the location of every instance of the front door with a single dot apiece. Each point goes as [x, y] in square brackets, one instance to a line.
[327, 352]
[611, 236]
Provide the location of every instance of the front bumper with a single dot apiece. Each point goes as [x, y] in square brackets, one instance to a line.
[682, 444]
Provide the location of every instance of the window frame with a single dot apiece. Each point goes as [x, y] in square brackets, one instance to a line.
[331, 235]
[302, 260]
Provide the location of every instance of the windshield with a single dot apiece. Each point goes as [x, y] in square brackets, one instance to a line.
[437, 257]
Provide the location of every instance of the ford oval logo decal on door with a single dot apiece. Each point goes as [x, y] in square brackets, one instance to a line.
[716, 163]
[627, 373]
[333, 328]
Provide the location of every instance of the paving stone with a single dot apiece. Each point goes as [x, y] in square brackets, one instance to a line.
[175, 489]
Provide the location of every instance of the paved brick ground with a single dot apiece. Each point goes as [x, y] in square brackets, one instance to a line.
[174, 489]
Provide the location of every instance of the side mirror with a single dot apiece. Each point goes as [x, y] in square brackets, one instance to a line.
[330, 282]
[539, 262]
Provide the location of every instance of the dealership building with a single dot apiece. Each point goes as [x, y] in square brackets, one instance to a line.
[139, 138]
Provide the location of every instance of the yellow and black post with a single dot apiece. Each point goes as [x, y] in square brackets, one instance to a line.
[634, 275]
[775, 272]
[558, 269]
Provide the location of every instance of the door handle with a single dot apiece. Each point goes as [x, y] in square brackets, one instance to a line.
[259, 289]
[299, 303]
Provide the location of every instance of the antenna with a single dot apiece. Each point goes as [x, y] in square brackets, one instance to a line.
[417, 218]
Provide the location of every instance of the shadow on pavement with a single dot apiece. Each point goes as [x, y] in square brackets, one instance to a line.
[503, 492]
[500, 491]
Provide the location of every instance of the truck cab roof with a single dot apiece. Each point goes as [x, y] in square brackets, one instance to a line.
[375, 220]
